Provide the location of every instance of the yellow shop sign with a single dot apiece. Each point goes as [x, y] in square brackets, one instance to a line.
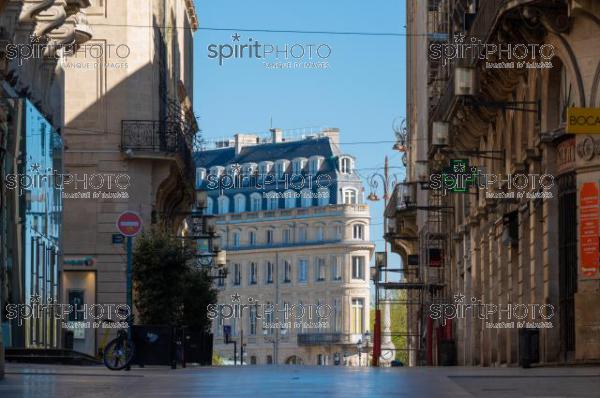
[583, 120]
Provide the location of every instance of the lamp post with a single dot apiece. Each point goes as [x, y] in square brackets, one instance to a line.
[359, 349]
[388, 184]
[367, 339]
[203, 231]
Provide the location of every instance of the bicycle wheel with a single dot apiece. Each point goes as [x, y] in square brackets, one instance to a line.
[118, 353]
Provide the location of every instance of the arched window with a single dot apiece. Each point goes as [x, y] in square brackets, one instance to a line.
[358, 232]
[350, 196]
[272, 200]
[290, 199]
[239, 203]
[306, 197]
[223, 203]
[200, 176]
[314, 164]
[297, 165]
[209, 206]
[346, 165]
[255, 202]
[323, 196]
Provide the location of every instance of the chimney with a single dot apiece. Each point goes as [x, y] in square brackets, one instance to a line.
[242, 140]
[277, 135]
[238, 144]
[333, 134]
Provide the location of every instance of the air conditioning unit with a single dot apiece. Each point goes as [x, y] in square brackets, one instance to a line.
[465, 81]
[440, 136]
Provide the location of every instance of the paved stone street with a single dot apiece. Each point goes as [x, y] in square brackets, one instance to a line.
[298, 381]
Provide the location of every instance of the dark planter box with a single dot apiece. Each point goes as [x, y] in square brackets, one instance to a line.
[198, 347]
[154, 345]
[529, 347]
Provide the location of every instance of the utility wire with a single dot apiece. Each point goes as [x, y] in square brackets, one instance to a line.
[263, 30]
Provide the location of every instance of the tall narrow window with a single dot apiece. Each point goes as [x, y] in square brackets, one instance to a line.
[253, 273]
[358, 267]
[287, 272]
[269, 272]
[252, 320]
[255, 202]
[302, 270]
[236, 239]
[269, 316]
[272, 200]
[270, 236]
[336, 314]
[239, 203]
[237, 274]
[336, 268]
[357, 316]
[358, 232]
[320, 269]
[252, 238]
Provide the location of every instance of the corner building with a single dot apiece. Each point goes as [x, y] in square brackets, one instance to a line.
[296, 232]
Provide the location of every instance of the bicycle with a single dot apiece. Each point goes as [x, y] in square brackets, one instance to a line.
[118, 353]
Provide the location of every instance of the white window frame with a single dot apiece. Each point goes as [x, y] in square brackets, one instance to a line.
[239, 203]
[358, 267]
[223, 204]
[255, 202]
[350, 196]
[358, 232]
[302, 270]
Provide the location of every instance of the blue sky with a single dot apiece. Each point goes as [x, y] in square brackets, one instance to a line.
[361, 92]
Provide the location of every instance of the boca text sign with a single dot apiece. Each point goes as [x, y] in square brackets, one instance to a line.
[583, 120]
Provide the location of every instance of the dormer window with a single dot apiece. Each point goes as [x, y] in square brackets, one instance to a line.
[217, 170]
[314, 164]
[346, 165]
[265, 167]
[298, 165]
[233, 169]
[281, 167]
[200, 176]
[249, 169]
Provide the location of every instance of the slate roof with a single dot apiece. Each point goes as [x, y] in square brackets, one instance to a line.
[262, 152]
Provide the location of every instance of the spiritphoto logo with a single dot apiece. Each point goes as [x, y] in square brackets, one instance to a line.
[498, 56]
[273, 316]
[83, 185]
[88, 315]
[459, 177]
[273, 56]
[266, 182]
[501, 316]
[70, 54]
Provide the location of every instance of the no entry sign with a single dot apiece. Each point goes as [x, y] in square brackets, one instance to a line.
[129, 223]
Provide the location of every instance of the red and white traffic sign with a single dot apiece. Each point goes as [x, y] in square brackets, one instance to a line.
[129, 223]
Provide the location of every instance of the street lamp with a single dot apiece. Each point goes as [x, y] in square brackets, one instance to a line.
[359, 345]
[367, 339]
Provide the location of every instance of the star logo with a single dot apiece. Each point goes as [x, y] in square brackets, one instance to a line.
[459, 298]
[35, 167]
[235, 298]
[235, 37]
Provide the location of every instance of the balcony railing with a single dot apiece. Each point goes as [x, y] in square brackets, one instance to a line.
[306, 339]
[155, 138]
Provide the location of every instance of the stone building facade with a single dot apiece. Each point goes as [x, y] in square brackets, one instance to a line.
[522, 232]
[129, 120]
[32, 96]
[296, 232]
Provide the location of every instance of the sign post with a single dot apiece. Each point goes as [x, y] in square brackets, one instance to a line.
[129, 224]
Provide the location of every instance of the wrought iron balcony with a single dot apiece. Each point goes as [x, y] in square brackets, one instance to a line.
[306, 339]
[155, 139]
